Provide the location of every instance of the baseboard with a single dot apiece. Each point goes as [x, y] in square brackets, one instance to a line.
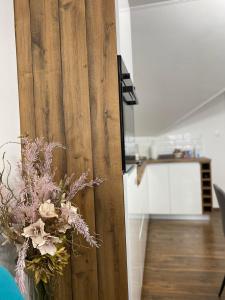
[204, 217]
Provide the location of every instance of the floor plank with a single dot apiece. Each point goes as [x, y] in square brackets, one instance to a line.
[185, 260]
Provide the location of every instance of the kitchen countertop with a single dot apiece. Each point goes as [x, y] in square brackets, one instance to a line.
[177, 160]
[142, 164]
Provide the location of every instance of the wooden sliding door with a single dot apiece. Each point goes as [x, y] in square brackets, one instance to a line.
[67, 72]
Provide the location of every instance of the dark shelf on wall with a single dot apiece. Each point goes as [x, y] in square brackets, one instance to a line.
[206, 179]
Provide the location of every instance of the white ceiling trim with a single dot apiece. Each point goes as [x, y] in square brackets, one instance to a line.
[193, 111]
[157, 4]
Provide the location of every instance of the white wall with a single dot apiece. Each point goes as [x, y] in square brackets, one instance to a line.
[124, 37]
[178, 56]
[9, 103]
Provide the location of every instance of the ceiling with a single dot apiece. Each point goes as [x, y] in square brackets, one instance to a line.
[179, 60]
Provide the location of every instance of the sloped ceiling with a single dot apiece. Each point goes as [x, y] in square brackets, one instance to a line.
[179, 60]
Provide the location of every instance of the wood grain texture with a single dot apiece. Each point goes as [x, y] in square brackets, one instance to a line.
[184, 260]
[46, 57]
[67, 67]
[78, 134]
[179, 160]
[40, 89]
[25, 67]
[104, 103]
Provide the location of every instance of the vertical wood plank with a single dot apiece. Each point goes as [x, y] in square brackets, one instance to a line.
[39, 70]
[25, 67]
[49, 116]
[106, 147]
[78, 134]
[46, 55]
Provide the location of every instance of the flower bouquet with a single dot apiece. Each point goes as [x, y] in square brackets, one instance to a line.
[38, 215]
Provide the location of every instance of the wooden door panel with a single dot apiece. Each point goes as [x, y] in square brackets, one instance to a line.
[68, 88]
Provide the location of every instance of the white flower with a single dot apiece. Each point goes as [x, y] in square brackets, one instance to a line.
[68, 212]
[36, 232]
[48, 246]
[41, 240]
[47, 210]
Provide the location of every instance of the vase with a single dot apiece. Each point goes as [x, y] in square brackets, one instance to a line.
[38, 292]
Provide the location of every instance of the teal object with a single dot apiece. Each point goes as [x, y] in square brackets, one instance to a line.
[8, 286]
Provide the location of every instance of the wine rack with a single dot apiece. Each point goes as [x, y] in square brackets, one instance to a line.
[206, 179]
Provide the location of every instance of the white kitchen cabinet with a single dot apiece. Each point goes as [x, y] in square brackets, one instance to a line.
[159, 192]
[136, 207]
[185, 188]
[142, 194]
[175, 189]
[134, 203]
[137, 194]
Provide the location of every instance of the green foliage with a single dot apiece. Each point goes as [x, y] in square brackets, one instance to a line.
[44, 267]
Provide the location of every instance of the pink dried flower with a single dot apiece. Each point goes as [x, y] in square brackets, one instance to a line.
[20, 266]
[30, 153]
[44, 186]
[81, 184]
[68, 179]
[70, 215]
[80, 225]
[48, 155]
[5, 194]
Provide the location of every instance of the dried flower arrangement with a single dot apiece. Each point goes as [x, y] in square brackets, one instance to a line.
[38, 215]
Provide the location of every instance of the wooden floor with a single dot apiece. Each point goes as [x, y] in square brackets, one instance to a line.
[185, 260]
